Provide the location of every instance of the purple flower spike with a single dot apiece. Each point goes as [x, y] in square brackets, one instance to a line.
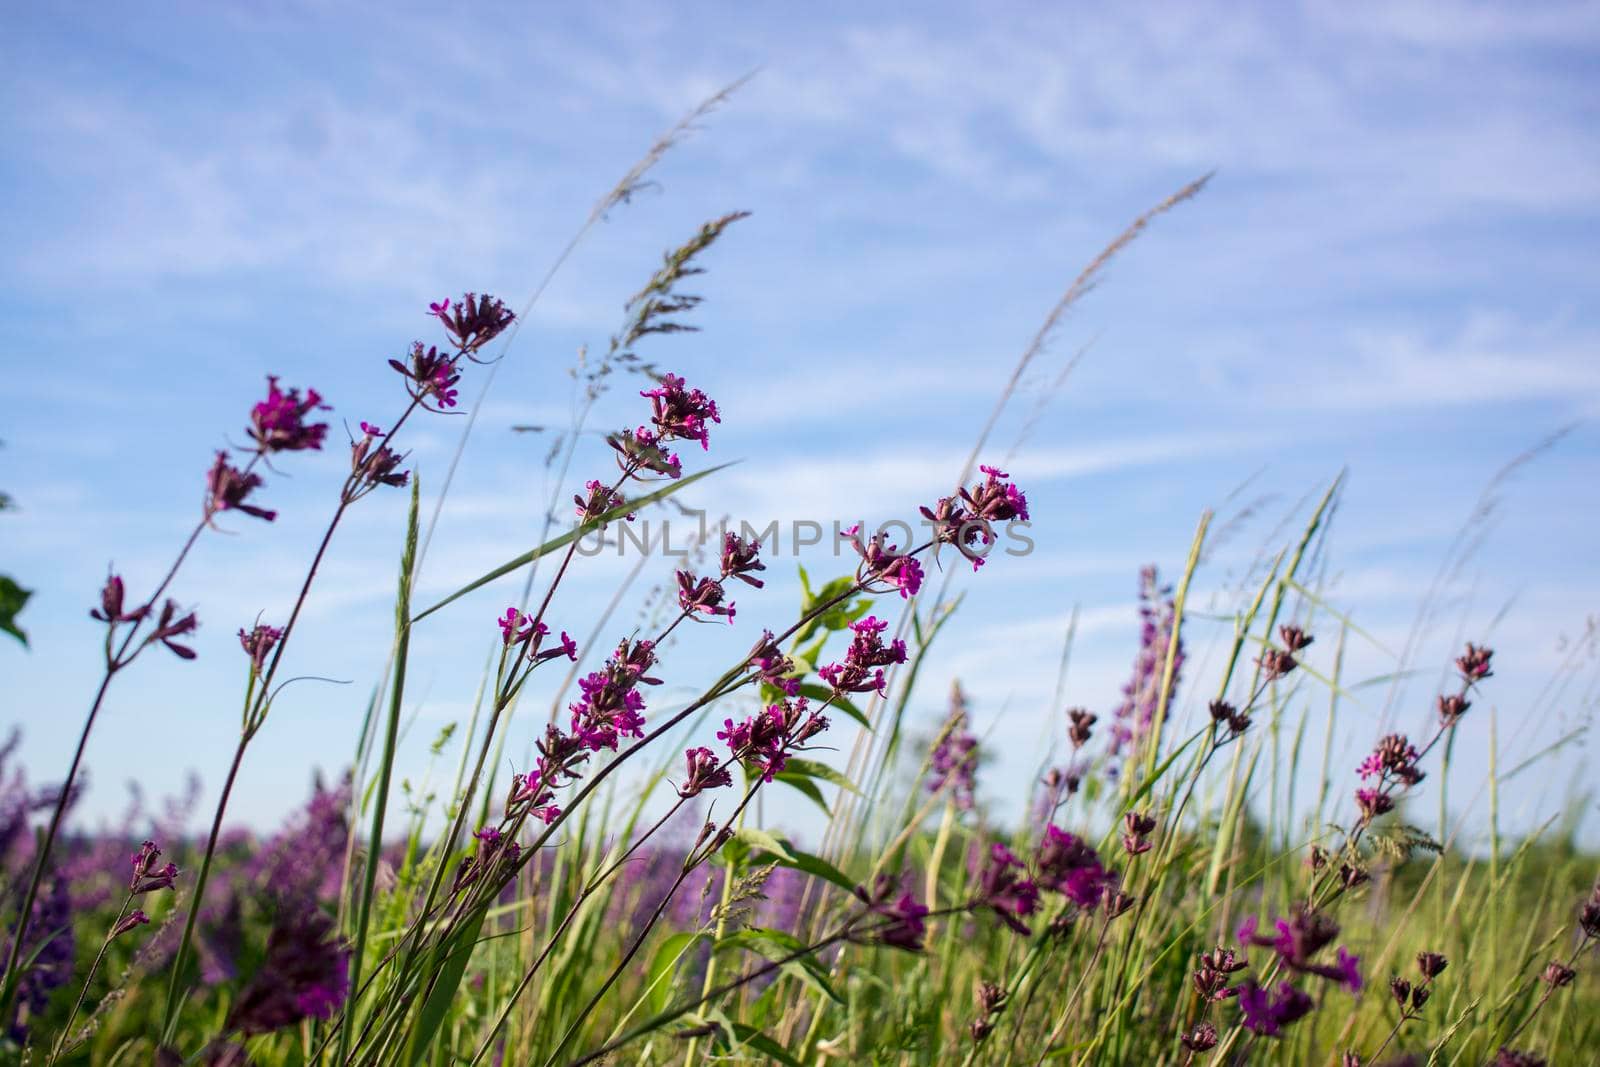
[305, 975]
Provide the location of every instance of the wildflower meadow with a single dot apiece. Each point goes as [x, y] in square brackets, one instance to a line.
[603, 866]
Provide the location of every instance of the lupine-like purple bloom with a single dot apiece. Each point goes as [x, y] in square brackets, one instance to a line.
[306, 974]
[52, 947]
[1268, 1013]
[611, 704]
[1069, 866]
[473, 321]
[681, 413]
[1142, 694]
[430, 377]
[703, 596]
[884, 566]
[954, 762]
[278, 423]
[1003, 888]
[967, 519]
[862, 669]
[227, 487]
[258, 644]
[705, 771]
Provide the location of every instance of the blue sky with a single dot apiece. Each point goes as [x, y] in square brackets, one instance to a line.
[1392, 272]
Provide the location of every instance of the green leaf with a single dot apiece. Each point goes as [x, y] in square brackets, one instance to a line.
[774, 945]
[659, 982]
[450, 970]
[813, 769]
[787, 855]
[12, 598]
[806, 786]
[568, 537]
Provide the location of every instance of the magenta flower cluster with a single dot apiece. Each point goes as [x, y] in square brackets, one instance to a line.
[861, 670]
[966, 520]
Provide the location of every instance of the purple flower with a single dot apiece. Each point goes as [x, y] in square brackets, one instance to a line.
[862, 669]
[905, 928]
[1003, 889]
[111, 610]
[430, 376]
[1141, 696]
[642, 449]
[773, 666]
[966, 519]
[258, 644]
[739, 559]
[148, 876]
[703, 596]
[611, 705]
[305, 975]
[1299, 939]
[954, 760]
[169, 625]
[705, 771]
[227, 487]
[375, 466]
[681, 413]
[883, 566]
[473, 321]
[1216, 967]
[277, 424]
[134, 918]
[1474, 663]
[1510, 1057]
[598, 501]
[1069, 866]
[1267, 1013]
